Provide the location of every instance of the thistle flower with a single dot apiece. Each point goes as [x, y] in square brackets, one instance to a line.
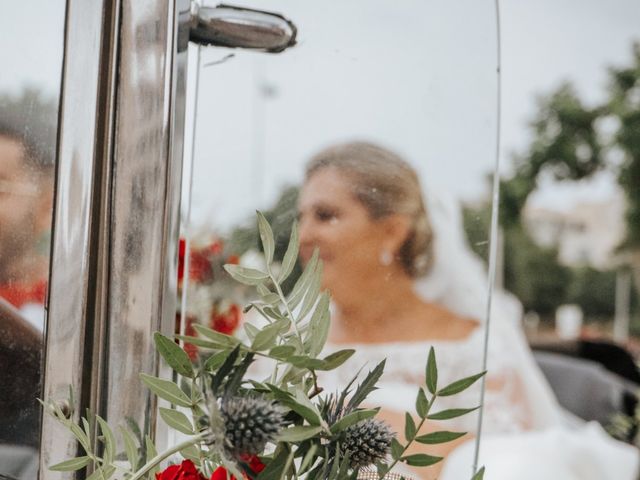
[366, 442]
[249, 423]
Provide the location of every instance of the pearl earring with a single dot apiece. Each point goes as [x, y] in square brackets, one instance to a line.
[386, 258]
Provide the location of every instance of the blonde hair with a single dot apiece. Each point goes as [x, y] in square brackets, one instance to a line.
[386, 185]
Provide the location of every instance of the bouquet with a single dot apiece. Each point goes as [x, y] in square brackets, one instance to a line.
[280, 427]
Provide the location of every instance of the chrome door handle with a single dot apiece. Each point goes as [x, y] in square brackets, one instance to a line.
[239, 27]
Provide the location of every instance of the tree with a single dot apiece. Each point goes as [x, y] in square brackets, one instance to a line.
[569, 143]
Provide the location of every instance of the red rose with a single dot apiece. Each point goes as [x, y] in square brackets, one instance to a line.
[226, 322]
[185, 471]
[182, 246]
[220, 473]
[191, 349]
[199, 267]
[199, 264]
[215, 248]
[254, 463]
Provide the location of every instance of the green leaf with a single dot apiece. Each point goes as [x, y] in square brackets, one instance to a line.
[432, 372]
[200, 342]
[439, 437]
[130, 448]
[298, 434]
[479, 474]
[336, 359]
[351, 419]
[263, 290]
[282, 352]
[166, 390]
[247, 276]
[299, 289]
[232, 468]
[214, 361]
[108, 438]
[150, 449]
[304, 361]
[460, 385]
[301, 404]
[266, 237]
[422, 404]
[303, 400]
[177, 420]
[309, 458]
[318, 326]
[191, 453]
[85, 426]
[270, 299]
[266, 338]
[225, 369]
[421, 460]
[251, 331]
[235, 379]
[382, 469]
[291, 255]
[311, 296]
[274, 468]
[217, 337]
[274, 313]
[102, 473]
[293, 375]
[451, 413]
[336, 463]
[367, 386]
[396, 448]
[409, 427]
[175, 356]
[71, 465]
[80, 436]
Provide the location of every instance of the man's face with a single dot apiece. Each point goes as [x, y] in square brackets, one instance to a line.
[20, 199]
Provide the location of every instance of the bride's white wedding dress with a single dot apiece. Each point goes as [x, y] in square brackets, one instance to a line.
[525, 433]
[517, 440]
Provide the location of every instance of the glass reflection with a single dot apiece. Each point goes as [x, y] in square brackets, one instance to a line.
[395, 79]
[373, 74]
[28, 119]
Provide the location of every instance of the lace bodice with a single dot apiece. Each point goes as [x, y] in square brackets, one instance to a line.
[505, 407]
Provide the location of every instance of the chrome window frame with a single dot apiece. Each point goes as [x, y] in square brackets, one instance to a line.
[118, 179]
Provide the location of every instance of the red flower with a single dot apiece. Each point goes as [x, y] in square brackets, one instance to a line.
[185, 471]
[199, 264]
[182, 246]
[233, 259]
[191, 349]
[215, 248]
[254, 463]
[220, 473]
[226, 322]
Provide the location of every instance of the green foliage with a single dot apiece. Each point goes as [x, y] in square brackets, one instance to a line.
[540, 282]
[594, 291]
[533, 273]
[568, 145]
[282, 220]
[217, 406]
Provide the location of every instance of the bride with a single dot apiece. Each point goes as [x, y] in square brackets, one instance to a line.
[402, 280]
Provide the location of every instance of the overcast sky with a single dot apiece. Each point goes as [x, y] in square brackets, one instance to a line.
[416, 75]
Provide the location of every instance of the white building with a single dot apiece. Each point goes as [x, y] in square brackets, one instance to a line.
[586, 232]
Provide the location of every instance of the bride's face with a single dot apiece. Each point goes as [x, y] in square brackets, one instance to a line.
[334, 221]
